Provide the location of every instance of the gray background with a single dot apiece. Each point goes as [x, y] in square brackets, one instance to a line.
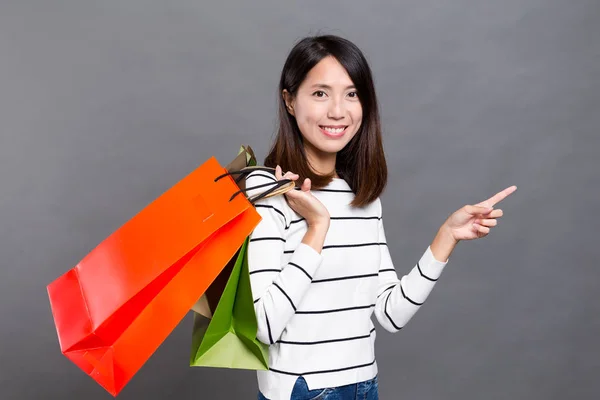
[104, 105]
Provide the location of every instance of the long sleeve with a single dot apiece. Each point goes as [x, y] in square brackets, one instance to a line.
[399, 299]
[277, 285]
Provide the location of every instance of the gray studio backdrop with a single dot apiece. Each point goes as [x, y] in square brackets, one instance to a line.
[106, 104]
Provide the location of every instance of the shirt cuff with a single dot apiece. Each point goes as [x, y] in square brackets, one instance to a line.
[307, 258]
[430, 266]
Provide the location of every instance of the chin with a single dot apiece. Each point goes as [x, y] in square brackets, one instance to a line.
[330, 147]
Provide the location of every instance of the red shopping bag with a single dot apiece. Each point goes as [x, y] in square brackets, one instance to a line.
[120, 302]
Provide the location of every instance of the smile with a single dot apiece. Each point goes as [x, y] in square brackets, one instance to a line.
[333, 131]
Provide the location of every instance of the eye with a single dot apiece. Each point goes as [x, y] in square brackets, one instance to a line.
[353, 95]
[319, 93]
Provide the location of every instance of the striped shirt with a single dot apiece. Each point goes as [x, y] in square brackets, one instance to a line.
[314, 309]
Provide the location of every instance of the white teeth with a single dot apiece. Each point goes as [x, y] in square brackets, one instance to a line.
[333, 130]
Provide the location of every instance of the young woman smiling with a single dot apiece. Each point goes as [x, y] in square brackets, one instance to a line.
[319, 261]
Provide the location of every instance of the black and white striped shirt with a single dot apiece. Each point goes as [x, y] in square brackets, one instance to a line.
[314, 310]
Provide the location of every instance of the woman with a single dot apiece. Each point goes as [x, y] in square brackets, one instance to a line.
[319, 262]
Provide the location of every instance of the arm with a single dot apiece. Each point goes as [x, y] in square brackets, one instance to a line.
[399, 299]
[277, 288]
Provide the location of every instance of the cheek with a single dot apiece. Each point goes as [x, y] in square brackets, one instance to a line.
[357, 116]
[357, 111]
[309, 115]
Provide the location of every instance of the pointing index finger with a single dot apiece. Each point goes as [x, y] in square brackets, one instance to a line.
[498, 197]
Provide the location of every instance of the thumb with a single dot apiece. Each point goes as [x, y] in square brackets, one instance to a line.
[473, 210]
[306, 185]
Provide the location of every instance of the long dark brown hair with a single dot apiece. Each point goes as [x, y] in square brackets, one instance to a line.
[361, 163]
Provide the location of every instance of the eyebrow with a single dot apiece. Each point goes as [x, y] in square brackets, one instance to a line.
[323, 86]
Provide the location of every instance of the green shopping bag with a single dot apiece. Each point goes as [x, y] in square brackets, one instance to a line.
[228, 340]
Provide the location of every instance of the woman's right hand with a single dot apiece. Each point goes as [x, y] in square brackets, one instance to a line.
[303, 202]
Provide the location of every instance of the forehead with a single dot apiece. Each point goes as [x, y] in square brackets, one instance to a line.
[329, 72]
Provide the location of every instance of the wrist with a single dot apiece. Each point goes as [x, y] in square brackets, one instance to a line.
[443, 244]
[315, 236]
[319, 225]
[445, 234]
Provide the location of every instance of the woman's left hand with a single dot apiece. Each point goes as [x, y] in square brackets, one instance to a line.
[474, 221]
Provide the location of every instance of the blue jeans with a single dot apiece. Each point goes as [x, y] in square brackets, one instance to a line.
[366, 390]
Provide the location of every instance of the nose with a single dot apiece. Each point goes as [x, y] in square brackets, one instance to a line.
[336, 109]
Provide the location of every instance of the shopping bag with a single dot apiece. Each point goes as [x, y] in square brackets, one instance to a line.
[207, 303]
[118, 304]
[228, 340]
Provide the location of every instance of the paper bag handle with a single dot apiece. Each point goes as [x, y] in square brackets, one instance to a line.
[279, 187]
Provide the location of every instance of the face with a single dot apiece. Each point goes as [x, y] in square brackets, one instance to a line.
[327, 109]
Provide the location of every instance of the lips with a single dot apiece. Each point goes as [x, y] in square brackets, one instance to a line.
[334, 131]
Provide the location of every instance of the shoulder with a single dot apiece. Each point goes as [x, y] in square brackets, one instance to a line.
[377, 207]
[258, 182]
[276, 204]
[259, 177]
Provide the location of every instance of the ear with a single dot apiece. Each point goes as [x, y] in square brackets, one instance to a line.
[289, 101]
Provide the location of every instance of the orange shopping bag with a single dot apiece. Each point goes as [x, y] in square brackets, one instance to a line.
[120, 302]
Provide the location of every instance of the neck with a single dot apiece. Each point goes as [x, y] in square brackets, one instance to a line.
[321, 163]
